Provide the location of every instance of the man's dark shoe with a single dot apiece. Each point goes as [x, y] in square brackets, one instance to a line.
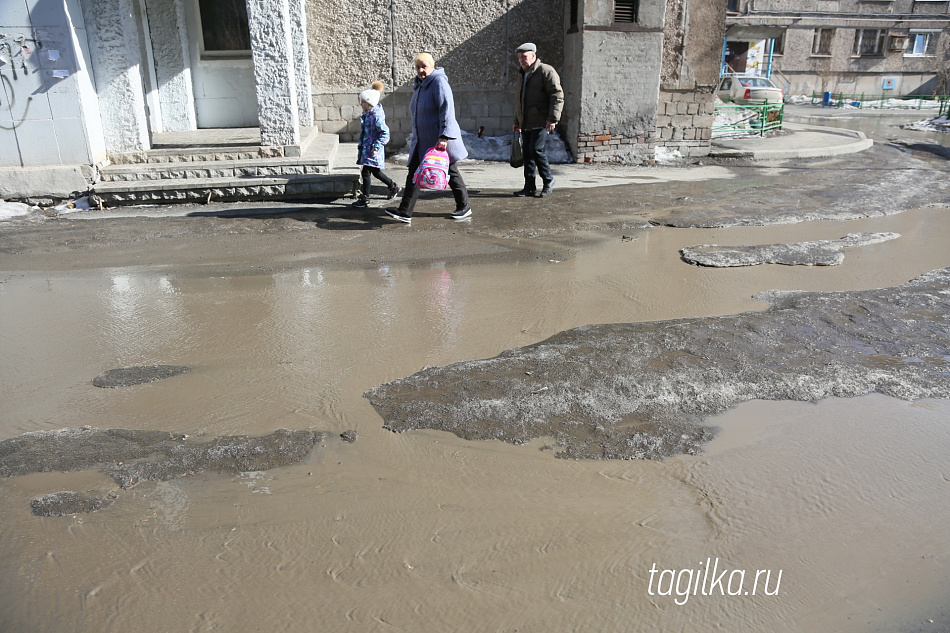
[546, 189]
[396, 214]
[461, 214]
[525, 193]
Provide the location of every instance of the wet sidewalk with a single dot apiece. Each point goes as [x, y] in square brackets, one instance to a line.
[796, 141]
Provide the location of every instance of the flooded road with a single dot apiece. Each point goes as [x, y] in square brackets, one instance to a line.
[847, 499]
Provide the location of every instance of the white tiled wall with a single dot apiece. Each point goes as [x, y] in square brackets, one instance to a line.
[39, 95]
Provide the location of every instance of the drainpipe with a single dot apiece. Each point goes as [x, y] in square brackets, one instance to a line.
[392, 44]
[768, 69]
[722, 60]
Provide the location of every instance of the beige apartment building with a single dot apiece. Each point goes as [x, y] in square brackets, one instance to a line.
[874, 47]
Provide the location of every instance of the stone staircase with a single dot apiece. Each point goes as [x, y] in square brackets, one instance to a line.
[223, 165]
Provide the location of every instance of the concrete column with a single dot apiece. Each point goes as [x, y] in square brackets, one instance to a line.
[117, 62]
[166, 21]
[274, 74]
[301, 53]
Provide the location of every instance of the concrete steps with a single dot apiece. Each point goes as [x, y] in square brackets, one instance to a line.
[221, 169]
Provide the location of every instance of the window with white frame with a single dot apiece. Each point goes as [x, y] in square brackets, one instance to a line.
[922, 43]
[869, 42]
[821, 45]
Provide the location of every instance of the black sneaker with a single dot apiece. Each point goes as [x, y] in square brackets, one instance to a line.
[546, 189]
[360, 203]
[525, 193]
[393, 192]
[396, 214]
[461, 214]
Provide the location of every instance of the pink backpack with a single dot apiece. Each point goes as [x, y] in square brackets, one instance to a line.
[433, 171]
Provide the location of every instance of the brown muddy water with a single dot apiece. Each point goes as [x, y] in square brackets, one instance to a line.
[423, 531]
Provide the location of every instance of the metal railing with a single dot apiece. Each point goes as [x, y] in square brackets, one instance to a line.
[748, 119]
[879, 101]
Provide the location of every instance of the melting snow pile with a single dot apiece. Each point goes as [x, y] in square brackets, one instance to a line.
[940, 124]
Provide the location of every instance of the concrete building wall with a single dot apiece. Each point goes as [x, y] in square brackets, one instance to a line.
[354, 42]
[615, 98]
[692, 45]
[619, 98]
[802, 71]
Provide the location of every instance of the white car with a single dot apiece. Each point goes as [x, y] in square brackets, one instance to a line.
[748, 90]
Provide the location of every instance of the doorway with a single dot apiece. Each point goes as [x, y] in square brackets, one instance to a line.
[222, 70]
[737, 56]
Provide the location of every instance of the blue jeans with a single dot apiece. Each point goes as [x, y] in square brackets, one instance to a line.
[535, 158]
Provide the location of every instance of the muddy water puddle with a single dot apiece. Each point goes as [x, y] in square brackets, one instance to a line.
[423, 531]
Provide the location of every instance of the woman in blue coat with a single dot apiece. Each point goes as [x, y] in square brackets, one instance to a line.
[432, 109]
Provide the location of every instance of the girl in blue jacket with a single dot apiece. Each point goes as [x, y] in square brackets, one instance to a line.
[374, 134]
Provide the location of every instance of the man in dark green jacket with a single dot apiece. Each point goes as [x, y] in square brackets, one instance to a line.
[538, 104]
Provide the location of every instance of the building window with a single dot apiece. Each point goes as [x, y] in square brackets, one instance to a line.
[923, 43]
[575, 8]
[821, 45]
[224, 25]
[778, 44]
[625, 11]
[733, 6]
[868, 42]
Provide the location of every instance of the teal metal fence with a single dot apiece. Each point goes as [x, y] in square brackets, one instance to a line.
[748, 119]
[879, 101]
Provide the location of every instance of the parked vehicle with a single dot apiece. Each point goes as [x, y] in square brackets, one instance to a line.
[748, 90]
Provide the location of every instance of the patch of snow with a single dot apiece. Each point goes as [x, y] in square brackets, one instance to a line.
[798, 100]
[853, 103]
[668, 156]
[731, 122]
[940, 124]
[9, 210]
[498, 148]
[79, 204]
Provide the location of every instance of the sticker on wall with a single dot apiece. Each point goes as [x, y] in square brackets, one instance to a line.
[888, 83]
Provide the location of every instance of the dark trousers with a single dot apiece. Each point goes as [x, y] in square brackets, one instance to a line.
[535, 157]
[367, 175]
[411, 193]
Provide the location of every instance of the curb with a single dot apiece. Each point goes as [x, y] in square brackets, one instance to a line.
[860, 143]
